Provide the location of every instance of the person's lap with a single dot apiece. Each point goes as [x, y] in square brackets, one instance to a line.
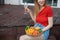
[26, 37]
[44, 36]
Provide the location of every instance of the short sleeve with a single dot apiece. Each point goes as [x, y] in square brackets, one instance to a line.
[50, 12]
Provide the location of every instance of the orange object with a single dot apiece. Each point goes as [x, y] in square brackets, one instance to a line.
[36, 33]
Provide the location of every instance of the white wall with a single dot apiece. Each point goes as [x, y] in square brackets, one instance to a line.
[58, 3]
[12, 2]
[19, 2]
[7, 1]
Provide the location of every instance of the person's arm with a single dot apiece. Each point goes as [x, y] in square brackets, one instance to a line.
[30, 13]
[50, 19]
[33, 18]
[50, 24]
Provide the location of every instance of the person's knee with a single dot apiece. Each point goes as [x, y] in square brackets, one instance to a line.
[21, 37]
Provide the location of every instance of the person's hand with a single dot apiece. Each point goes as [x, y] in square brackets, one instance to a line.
[27, 10]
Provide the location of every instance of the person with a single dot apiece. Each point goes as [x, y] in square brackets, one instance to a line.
[43, 18]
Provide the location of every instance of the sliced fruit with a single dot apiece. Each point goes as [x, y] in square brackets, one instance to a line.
[37, 28]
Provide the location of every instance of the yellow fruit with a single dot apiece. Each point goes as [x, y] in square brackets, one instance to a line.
[29, 31]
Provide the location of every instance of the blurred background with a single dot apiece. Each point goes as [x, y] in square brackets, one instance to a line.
[13, 20]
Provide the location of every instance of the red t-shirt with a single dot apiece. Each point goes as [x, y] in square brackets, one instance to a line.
[42, 16]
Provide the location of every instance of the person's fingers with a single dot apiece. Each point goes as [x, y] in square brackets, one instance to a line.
[27, 10]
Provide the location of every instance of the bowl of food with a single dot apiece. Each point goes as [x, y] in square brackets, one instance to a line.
[33, 31]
